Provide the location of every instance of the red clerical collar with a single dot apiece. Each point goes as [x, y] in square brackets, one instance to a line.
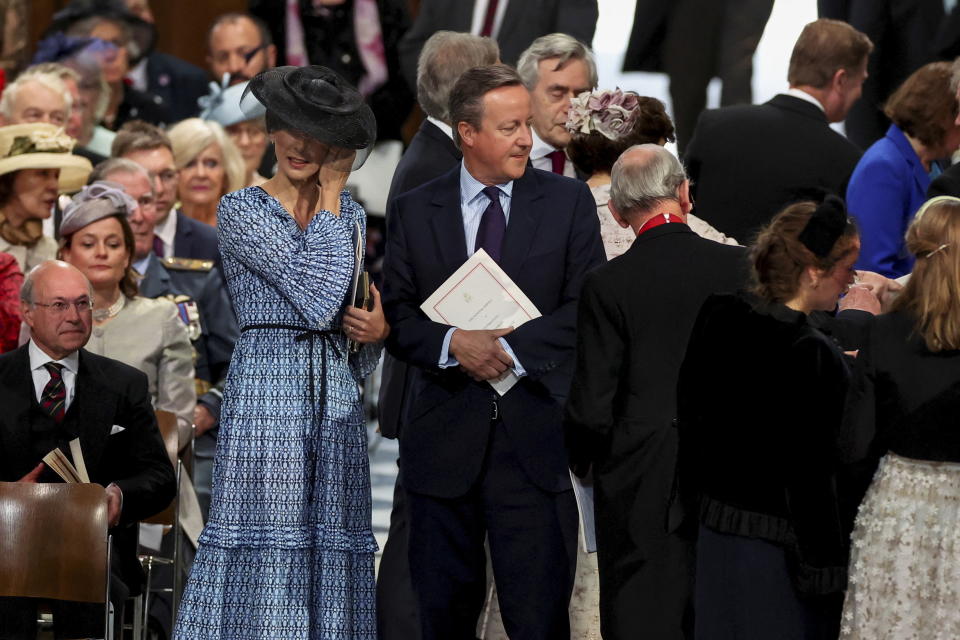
[659, 219]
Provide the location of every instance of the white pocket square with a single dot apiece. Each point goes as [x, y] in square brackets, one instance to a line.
[115, 429]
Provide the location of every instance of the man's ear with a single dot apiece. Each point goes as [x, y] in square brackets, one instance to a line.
[839, 80]
[683, 195]
[271, 56]
[466, 133]
[616, 215]
[26, 312]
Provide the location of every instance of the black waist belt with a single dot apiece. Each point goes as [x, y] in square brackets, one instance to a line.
[311, 335]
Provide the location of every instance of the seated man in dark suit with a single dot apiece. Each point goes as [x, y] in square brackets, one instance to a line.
[477, 465]
[177, 235]
[53, 391]
[445, 56]
[784, 149]
[176, 82]
[632, 333]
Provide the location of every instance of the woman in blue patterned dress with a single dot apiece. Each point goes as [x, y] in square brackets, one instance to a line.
[288, 551]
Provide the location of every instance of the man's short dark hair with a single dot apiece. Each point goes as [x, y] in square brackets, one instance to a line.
[235, 16]
[466, 97]
[824, 47]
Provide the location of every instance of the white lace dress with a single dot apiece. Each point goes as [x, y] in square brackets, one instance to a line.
[616, 239]
[905, 562]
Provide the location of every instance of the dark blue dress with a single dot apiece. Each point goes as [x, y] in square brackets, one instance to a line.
[288, 551]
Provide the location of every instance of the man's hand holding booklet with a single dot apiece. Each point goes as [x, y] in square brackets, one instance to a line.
[481, 296]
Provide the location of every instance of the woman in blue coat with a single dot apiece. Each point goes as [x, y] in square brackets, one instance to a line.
[890, 182]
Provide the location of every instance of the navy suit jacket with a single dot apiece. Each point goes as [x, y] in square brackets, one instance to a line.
[431, 154]
[195, 239]
[177, 83]
[552, 240]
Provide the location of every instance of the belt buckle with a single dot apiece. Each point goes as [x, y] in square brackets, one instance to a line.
[496, 410]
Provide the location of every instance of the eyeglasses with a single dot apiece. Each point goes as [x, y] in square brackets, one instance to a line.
[222, 57]
[60, 306]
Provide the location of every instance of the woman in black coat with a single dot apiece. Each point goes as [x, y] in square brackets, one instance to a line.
[761, 396]
[904, 405]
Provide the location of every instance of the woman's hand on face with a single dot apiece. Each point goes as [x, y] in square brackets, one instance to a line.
[334, 171]
[365, 326]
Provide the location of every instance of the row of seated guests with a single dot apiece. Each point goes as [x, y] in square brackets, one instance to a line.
[54, 390]
[161, 338]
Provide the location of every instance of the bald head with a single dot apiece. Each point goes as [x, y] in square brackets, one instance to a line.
[56, 301]
[647, 179]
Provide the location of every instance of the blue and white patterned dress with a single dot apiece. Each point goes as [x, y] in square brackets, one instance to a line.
[288, 551]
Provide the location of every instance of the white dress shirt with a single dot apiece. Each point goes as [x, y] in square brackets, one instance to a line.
[473, 202]
[166, 230]
[806, 97]
[41, 376]
[540, 159]
[443, 126]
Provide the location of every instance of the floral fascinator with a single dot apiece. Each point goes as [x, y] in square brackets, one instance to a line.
[610, 113]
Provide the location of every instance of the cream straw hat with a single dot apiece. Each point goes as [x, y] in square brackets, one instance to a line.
[39, 145]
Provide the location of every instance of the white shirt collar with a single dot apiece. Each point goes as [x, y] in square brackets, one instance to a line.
[803, 95]
[38, 358]
[443, 126]
[166, 230]
[470, 187]
[540, 149]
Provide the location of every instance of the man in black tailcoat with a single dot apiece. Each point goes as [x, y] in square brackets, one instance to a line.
[635, 316]
[747, 162]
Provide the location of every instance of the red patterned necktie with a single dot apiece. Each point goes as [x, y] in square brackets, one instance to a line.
[158, 246]
[558, 160]
[54, 395]
[487, 29]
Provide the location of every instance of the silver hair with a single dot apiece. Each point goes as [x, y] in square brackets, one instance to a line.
[114, 165]
[26, 289]
[554, 45]
[955, 76]
[443, 59]
[638, 185]
[51, 81]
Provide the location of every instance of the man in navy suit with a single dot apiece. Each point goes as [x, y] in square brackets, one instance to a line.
[177, 235]
[477, 465]
[432, 153]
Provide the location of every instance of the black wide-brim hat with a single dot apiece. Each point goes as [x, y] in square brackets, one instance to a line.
[317, 102]
[143, 34]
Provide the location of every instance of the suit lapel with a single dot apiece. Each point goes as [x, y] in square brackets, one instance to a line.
[447, 221]
[512, 19]
[93, 404]
[524, 220]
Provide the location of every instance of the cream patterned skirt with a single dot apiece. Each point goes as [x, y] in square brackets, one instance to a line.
[905, 561]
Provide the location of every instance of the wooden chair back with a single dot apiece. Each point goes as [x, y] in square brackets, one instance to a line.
[167, 423]
[53, 541]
